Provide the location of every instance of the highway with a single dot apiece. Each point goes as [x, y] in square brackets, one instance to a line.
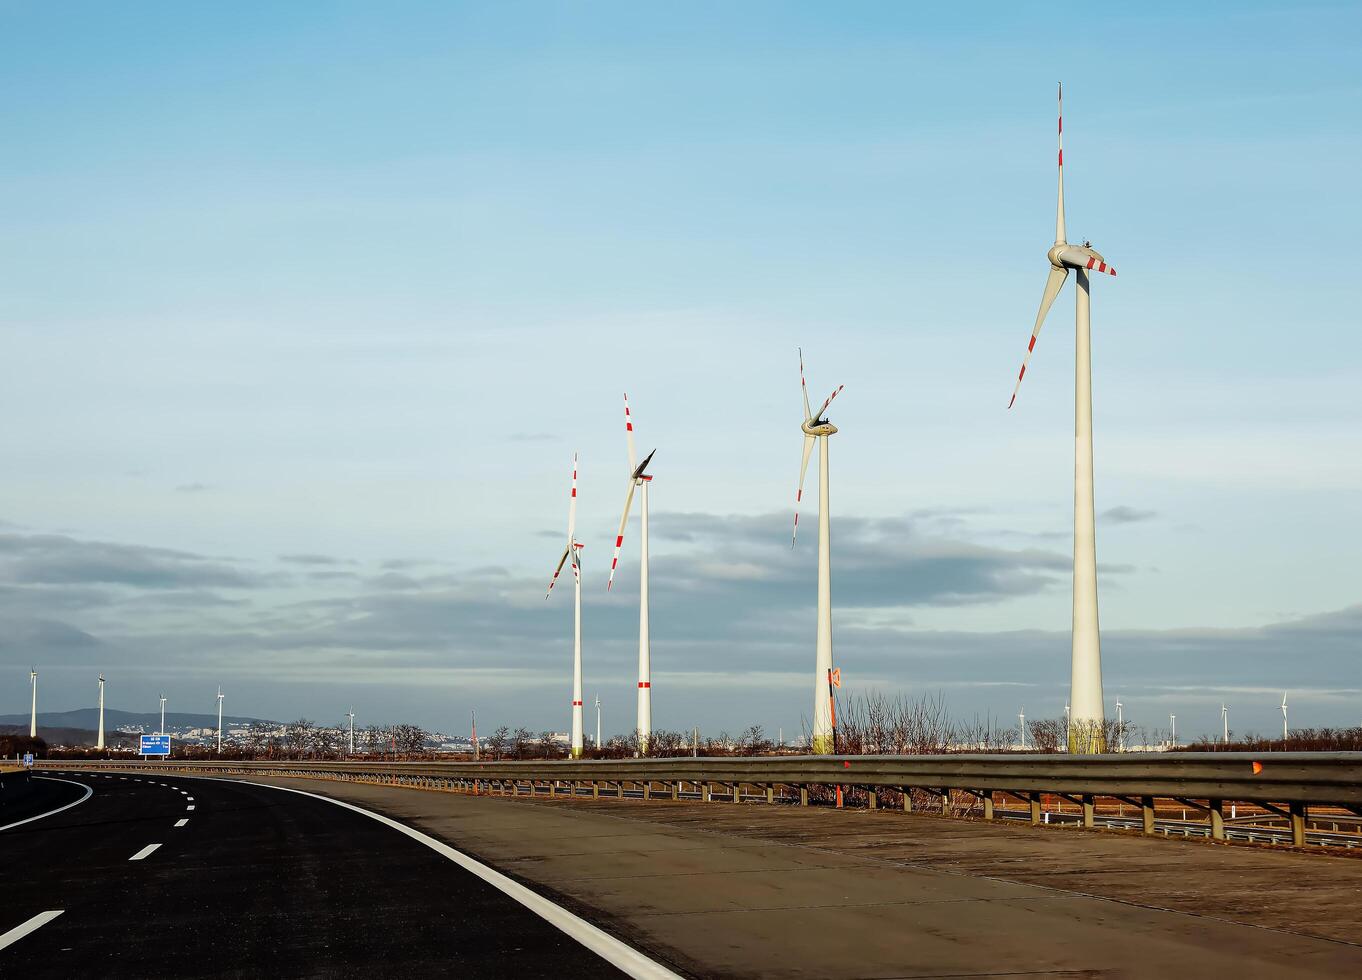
[181, 877]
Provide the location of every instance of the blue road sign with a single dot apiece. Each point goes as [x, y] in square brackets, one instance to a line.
[28, 760]
[156, 745]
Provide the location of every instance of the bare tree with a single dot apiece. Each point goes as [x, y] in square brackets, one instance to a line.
[497, 743]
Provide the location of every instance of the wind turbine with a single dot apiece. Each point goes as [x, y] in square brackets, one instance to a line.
[570, 552]
[474, 714]
[1173, 730]
[1225, 721]
[1086, 668]
[1120, 728]
[1285, 730]
[638, 479]
[33, 718]
[351, 715]
[219, 719]
[1021, 724]
[598, 722]
[99, 742]
[163, 716]
[816, 427]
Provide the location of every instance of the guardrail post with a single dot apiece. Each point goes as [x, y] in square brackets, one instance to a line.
[803, 796]
[595, 790]
[647, 789]
[737, 792]
[676, 790]
[619, 790]
[770, 793]
[1217, 808]
[706, 792]
[1088, 811]
[1034, 799]
[1298, 813]
[988, 804]
[1147, 812]
[872, 799]
[946, 802]
[907, 792]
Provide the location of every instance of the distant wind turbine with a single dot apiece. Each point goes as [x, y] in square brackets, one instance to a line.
[1225, 722]
[1021, 724]
[99, 741]
[816, 427]
[163, 715]
[1120, 728]
[571, 552]
[638, 478]
[598, 722]
[219, 719]
[33, 718]
[351, 715]
[1086, 736]
[1285, 730]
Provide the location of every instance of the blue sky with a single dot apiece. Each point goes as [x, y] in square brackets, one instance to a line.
[350, 284]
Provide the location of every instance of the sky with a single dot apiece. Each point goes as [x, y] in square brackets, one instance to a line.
[305, 308]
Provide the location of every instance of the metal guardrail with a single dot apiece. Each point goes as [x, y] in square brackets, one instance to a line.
[1285, 783]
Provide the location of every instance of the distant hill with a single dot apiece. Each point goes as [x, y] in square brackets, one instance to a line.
[113, 718]
[72, 736]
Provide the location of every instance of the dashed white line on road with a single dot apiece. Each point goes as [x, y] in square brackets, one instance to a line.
[190, 807]
[37, 922]
[144, 852]
[181, 822]
[189, 799]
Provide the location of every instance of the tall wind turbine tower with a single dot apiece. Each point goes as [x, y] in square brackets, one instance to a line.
[33, 718]
[219, 719]
[1120, 728]
[99, 741]
[571, 553]
[598, 722]
[351, 715]
[163, 716]
[1225, 722]
[1285, 730]
[639, 479]
[1086, 731]
[816, 427]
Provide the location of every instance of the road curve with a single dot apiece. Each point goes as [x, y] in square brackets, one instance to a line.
[165, 876]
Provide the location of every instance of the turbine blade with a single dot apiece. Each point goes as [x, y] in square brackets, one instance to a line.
[1083, 257]
[799, 494]
[619, 538]
[553, 581]
[803, 385]
[1053, 283]
[629, 432]
[829, 402]
[643, 466]
[1059, 211]
[572, 505]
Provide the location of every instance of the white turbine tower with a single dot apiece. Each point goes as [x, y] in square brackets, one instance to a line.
[1021, 724]
[1225, 722]
[598, 722]
[815, 427]
[1086, 734]
[351, 715]
[1120, 728]
[33, 718]
[571, 552]
[99, 742]
[219, 719]
[1173, 730]
[1285, 730]
[163, 716]
[638, 478]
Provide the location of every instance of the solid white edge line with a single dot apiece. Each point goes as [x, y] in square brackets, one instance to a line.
[89, 791]
[37, 922]
[604, 945]
[181, 822]
[144, 852]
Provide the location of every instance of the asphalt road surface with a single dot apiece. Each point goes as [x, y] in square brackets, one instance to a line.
[159, 876]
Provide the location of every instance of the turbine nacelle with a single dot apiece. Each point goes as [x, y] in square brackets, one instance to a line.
[817, 427]
[1065, 256]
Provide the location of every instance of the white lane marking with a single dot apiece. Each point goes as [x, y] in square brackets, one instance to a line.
[37, 922]
[89, 791]
[190, 807]
[189, 799]
[607, 947]
[181, 822]
[144, 852]
[184, 792]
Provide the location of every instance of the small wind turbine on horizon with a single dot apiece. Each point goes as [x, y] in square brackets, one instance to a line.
[571, 553]
[1285, 730]
[639, 479]
[351, 715]
[1225, 722]
[1120, 727]
[816, 427]
[33, 717]
[163, 716]
[219, 719]
[1086, 736]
